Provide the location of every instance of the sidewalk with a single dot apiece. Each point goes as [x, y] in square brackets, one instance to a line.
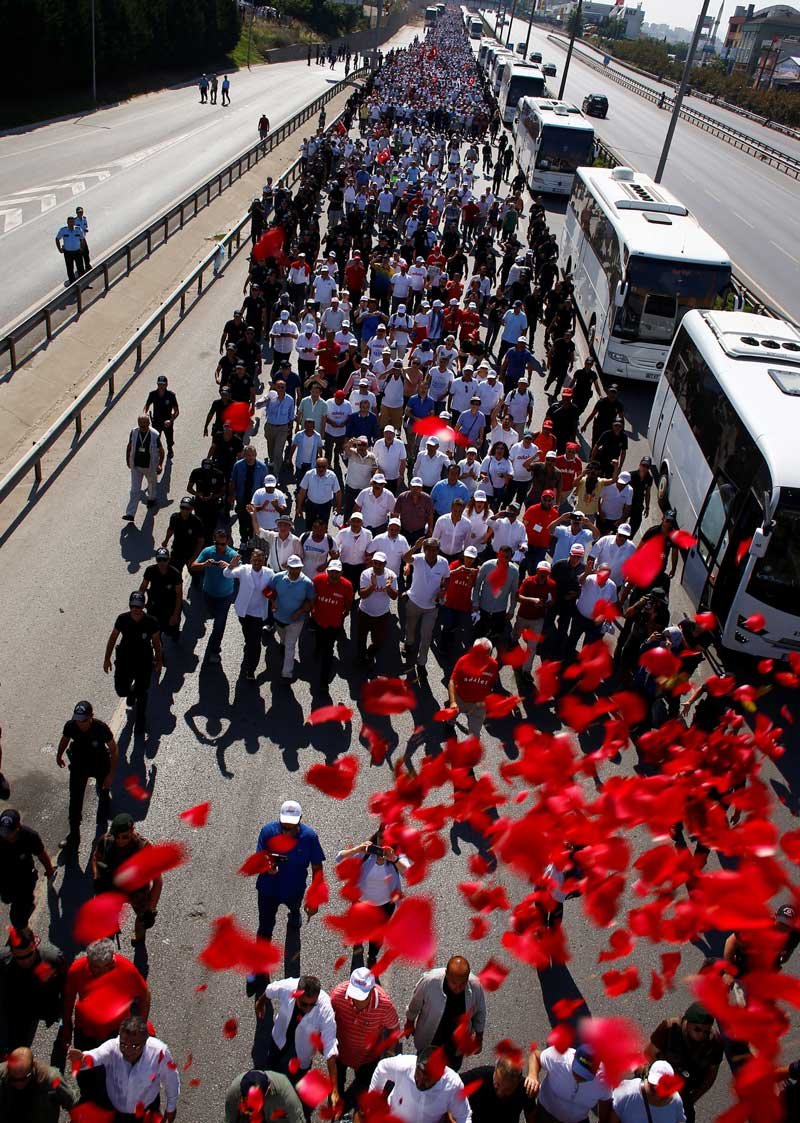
[32, 398]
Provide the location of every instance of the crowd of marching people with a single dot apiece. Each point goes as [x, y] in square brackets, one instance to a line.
[409, 470]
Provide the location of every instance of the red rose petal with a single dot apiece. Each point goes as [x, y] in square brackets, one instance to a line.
[642, 567]
[231, 948]
[493, 975]
[336, 712]
[314, 1088]
[384, 695]
[196, 816]
[410, 932]
[148, 863]
[230, 1029]
[336, 780]
[99, 917]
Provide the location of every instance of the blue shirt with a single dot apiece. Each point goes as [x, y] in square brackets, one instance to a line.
[216, 583]
[358, 426]
[292, 873]
[279, 412]
[369, 325]
[421, 407]
[239, 474]
[443, 494]
[516, 362]
[291, 595]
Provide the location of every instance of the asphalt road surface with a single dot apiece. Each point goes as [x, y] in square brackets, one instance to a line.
[127, 163]
[748, 207]
[70, 566]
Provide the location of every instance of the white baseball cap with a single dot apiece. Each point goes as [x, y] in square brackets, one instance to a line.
[657, 1070]
[379, 556]
[625, 528]
[294, 562]
[334, 563]
[361, 985]
[291, 812]
[470, 552]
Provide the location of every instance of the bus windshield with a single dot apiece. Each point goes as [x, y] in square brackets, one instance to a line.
[564, 150]
[661, 292]
[524, 85]
[775, 580]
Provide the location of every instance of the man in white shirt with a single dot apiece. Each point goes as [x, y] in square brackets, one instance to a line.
[518, 405]
[441, 379]
[418, 275]
[429, 575]
[391, 543]
[452, 531]
[136, 1067]
[318, 492]
[418, 1096]
[509, 530]
[363, 393]
[333, 317]
[490, 392]
[282, 337]
[315, 1027]
[640, 1101]
[615, 502]
[251, 605]
[267, 504]
[377, 588]
[431, 464]
[462, 390]
[352, 542]
[569, 1084]
[324, 286]
[377, 345]
[392, 402]
[595, 587]
[306, 348]
[614, 549]
[523, 454]
[376, 503]
[390, 454]
[336, 415]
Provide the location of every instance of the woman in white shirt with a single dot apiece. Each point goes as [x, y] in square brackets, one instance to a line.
[496, 473]
[479, 516]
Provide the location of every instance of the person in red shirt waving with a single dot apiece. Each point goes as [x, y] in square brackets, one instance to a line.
[332, 603]
[474, 677]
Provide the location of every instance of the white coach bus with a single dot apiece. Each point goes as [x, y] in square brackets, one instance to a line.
[518, 80]
[552, 139]
[639, 262]
[723, 431]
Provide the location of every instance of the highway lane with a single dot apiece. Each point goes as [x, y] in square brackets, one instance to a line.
[126, 163]
[245, 748]
[748, 207]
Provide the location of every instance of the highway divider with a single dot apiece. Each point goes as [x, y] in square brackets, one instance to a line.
[777, 159]
[22, 339]
[134, 356]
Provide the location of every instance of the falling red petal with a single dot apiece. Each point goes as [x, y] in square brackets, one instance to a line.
[643, 566]
[336, 780]
[148, 863]
[196, 816]
[231, 1028]
[99, 917]
[336, 712]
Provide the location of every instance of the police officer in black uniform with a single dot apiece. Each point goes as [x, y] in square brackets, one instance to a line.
[217, 410]
[207, 485]
[163, 584]
[187, 534]
[162, 406]
[92, 753]
[138, 655]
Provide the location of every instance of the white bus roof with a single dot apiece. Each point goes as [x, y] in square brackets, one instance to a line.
[649, 219]
[757, 362]
[561, 113]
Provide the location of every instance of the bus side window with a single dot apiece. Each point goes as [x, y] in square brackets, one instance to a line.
[711, 528]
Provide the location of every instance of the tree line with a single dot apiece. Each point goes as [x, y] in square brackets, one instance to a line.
[53, 39]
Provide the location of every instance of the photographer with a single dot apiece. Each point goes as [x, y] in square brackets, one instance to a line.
[380, 883]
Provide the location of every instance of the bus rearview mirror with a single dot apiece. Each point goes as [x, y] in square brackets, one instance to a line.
[620, 293]
[758, 546]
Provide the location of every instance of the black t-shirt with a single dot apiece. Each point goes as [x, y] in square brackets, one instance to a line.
[566, 578]
[487, 1106]
[226, 368]
[186, 533]
[454, 1008]
[583, 382]
[135, 636]
[161, 589]
[225, 453]
[610, 445]
[234, 331]
[249, 353]
[607, 410]
[641, 486]
[162, 405]
[254, 308]
[207, 481]
[88, 749]
[241, 388]
[690, 1060]
[16, 858]
[565, 417]
[218, 407]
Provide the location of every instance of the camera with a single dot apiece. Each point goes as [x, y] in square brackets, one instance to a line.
[376, 850]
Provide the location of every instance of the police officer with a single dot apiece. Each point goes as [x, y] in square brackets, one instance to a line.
[207, 485]
[138, 655]
[163, 584]
[82, 222]
[92, 753]
[70, 243]
[162, 406]
[187, 534]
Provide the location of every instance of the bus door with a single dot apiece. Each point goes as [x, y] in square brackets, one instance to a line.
[702, 565]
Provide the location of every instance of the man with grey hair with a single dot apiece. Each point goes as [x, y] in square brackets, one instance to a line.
[136, 1067]
[144, 455]
[119, 976]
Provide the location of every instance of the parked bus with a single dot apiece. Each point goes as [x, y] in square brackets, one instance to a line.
[431, 16]
[639, 261]
[475, 27]
[723, 431]
[519, 80]
[551, 140]
[496, 68]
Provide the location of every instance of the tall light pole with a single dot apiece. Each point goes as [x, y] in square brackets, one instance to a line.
[511, 22]
[530, 26]
[576, 20]
[250, 33]
[94, 62]
[676, 106]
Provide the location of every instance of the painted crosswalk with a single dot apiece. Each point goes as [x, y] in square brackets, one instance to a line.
[21, 207]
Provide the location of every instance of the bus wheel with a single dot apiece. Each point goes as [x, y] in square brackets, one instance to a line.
[663, 488]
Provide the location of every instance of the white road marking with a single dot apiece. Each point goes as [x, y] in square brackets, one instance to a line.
[12, 218]
[78, 188]
[789, 255]
[47, 202]
[742, 219]
[713, 196]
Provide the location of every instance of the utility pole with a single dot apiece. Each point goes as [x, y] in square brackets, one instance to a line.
[530, 26]
[676, 105]
[576, 19]
[94, 61]
[511, 22]
[249, 33]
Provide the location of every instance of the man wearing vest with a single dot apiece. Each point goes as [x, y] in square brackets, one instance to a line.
[144, 456]
[71, 243]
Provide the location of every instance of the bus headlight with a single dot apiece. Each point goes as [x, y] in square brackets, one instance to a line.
[617, 358]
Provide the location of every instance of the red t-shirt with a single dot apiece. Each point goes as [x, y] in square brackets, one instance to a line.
[472, 685]
[540, 591]
[332, 602]
[328, 356]
[458, 591]
[570, 470]
[116, 990]
[355, 274]
[545, 442]
[470, 324]
[543, 518]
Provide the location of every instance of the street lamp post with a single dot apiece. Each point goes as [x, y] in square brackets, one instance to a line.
[250, 33]
[530, 26]
[576, 19]
[511, 22]
[676, 106]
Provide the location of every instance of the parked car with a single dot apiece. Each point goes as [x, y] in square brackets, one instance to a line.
[535, 56]
[521, 49]
[595, 105]
[549, 69]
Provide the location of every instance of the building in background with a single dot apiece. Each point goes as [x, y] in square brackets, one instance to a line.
[761, 33]
[595, 12]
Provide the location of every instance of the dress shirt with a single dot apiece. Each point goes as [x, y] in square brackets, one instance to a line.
[284, 333]
[389, 457]
[250, 599]
[319, 1020]
[411, 1104]
[444, 494]
[605, 549]
[394, 548]
[461, 391]
[130, 1084]
[561, 1095]
[375, 508]
[591, 592]
[279, 411]
[508, 533]
[615, 500]
[430, 468]
[452, 536]
[378, 603]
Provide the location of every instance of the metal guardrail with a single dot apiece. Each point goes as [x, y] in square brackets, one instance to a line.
[21, 340]
[140, 348]
[753, 301]
[781, 161]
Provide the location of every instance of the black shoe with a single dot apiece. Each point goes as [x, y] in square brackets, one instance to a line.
[130, 702]
[71, 841]
[127, 518]
[151, 503]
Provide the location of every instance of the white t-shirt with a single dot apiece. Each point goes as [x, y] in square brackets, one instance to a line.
[518, 454]
[426, 580]
[389, 456]
[412, 1105]
[352, 547]
[606, 550]
[393, 393]
[379, 602]
[336, 417]
[375, 508]
[394, 548]
[461, 391]
[591, 593]
[615, 500]
[565, 1098]
[518, 405]
[276, 503]
[629, 1105]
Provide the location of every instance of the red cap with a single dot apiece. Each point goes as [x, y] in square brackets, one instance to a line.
[572, 446]
[339, 395]
[547, 424]
[548, 494]
[567, 392]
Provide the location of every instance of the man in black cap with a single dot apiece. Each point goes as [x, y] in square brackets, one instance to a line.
[138, 655]
[262, 1095]
[187, 534]
[19, 845]
[207, 485]
[162, 406]
[92, 753]
[693, 1047]
[163, 585]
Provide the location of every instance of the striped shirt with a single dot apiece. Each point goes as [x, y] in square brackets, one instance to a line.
[360, 1032]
